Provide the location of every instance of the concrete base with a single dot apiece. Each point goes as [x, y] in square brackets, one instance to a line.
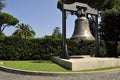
[85, 62]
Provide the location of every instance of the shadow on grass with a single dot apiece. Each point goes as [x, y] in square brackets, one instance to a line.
[42, 61]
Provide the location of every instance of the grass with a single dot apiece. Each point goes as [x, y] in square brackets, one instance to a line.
[39, 65]
[42, 65]
[101, 69]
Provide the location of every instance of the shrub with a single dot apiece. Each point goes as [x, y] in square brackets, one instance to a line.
[13, 48]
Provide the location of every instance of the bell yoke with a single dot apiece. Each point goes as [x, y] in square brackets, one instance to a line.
[82, 30]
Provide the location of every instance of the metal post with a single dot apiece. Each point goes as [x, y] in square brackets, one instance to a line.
[64, 45]
[97, 47]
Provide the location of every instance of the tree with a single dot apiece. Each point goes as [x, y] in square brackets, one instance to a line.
[7, 20]
[2, 5]
[56, 33]
[110, 27]
[2, 35]
[24, 31]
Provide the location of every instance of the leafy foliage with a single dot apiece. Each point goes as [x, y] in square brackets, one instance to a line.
[24, 31]
[110, 27]
[56, 33]
[13, 48]
[2, 35]
[2, 5]
[7, 20]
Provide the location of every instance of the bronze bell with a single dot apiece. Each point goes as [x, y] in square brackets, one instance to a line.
[82, 31]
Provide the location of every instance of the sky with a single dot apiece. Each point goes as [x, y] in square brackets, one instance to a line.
[42, 15]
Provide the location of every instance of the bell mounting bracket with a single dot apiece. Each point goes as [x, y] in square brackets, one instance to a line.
[79, 9]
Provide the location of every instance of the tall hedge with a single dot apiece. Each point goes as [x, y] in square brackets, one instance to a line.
[12, 48]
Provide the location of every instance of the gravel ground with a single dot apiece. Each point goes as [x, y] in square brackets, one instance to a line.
[110, 75]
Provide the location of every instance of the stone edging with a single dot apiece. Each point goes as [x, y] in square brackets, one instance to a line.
[25, 72]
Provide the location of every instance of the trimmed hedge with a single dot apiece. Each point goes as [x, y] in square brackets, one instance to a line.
[118, 49]
[12, 48]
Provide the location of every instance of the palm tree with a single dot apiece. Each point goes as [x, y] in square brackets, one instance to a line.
[24, 31]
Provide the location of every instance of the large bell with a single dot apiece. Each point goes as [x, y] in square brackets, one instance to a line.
[82, 31]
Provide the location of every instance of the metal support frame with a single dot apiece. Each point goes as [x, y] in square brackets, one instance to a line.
[97, 47]
[72, 8]
[64, 54]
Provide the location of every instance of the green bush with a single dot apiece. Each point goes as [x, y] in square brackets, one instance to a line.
[12, 48]
[80, 48]
[118, 49]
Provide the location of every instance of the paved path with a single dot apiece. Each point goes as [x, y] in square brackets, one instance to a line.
[110, 75]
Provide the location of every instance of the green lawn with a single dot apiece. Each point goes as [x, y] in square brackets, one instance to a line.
[39, 65]
[101, 69]
[42, 65]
